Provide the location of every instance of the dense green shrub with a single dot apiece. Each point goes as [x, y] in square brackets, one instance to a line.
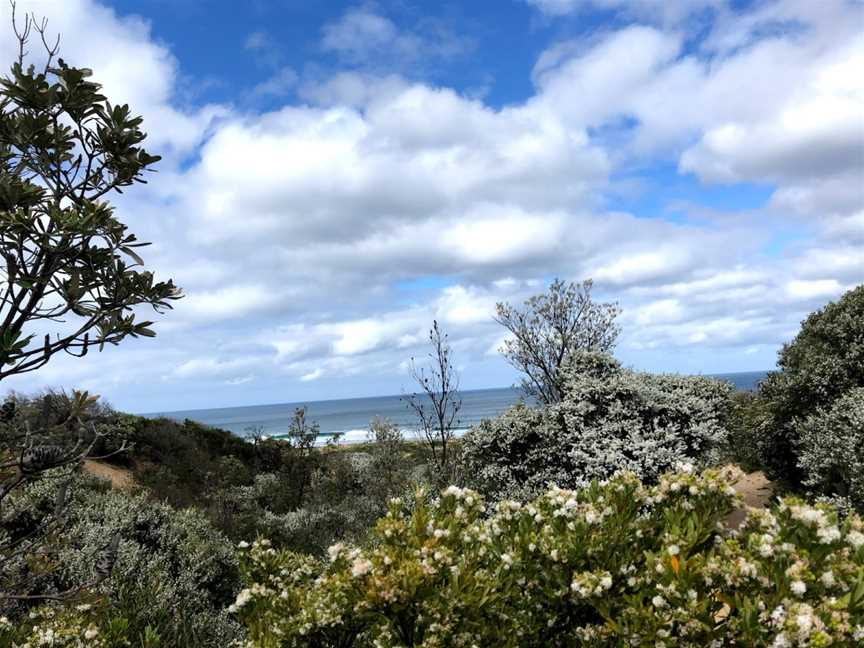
[824, 362]
[614, 564]
[831, 450]
[609, 419]
[180, 461]
[387, 471]
[746, 429]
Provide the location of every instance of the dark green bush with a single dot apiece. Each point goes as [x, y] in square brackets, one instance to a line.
[824, 362]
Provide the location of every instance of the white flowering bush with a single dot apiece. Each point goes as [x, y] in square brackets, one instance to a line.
[831, 450]
[609, 419]
[71, 627]
[614, 564]
[174, 573]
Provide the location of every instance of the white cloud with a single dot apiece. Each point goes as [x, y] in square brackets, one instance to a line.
[363, 35]
[290, 229]
[666, 11]
[822, 288]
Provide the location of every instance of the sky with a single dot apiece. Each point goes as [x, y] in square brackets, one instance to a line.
[336, 175]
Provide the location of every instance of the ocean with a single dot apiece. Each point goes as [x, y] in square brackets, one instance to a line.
[349, 418]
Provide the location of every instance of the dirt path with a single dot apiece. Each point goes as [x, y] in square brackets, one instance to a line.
[120, 478]
[756, 490]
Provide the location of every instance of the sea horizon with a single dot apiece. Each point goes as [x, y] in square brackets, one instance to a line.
[349, 418]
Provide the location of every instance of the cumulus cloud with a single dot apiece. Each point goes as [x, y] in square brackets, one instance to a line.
[292, 229]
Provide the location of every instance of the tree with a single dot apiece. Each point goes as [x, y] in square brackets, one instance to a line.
[70, 264]
[823, 363]
[299, 460]
[67, 264]
[550, 328]
[438, 403]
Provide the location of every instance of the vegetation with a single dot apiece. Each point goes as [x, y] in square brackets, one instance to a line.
[43, 440]
[171, 577]
[608, 419]
[549, 329]
[616, 563]
[830, 448]
[68, 259]
[438, 403]
[822, 364]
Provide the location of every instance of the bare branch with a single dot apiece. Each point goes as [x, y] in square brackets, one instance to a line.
[437, 404]
[549, 328]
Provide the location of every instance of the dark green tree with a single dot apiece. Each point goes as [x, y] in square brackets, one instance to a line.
[824, 362]
[70, 277]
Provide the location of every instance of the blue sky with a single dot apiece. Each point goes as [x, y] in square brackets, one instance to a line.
[338, 174]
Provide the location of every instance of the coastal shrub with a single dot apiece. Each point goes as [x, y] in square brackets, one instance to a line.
[173, 572]
[617, 563]
[387, 472]
[746, 428]
[609, 419]
[831, 450]
[824, 362]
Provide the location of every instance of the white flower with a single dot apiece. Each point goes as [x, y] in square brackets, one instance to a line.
[360, 567]
[780, 641]
[798, 587]
[243, 544]
[91, 633]
[828, 534]
[242, 599]
[778, 615]
[828, 579]
[804, 623]
[334, 550]
[855, 538]
[659, 601]
[673, 550]
[684, 467]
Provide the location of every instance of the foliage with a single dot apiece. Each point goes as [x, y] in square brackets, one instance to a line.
[438, 403]
[746, 425]
[824, 362]
[173, 573]
[180, 461]
[609, 419]
[617, 563]
[549, 329]
[831, 449]
[346, 493]
[68, 259]
[386, 475]
[65, 431]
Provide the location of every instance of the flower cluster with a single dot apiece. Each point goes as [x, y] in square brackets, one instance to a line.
[615, 563]
[70, 627]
